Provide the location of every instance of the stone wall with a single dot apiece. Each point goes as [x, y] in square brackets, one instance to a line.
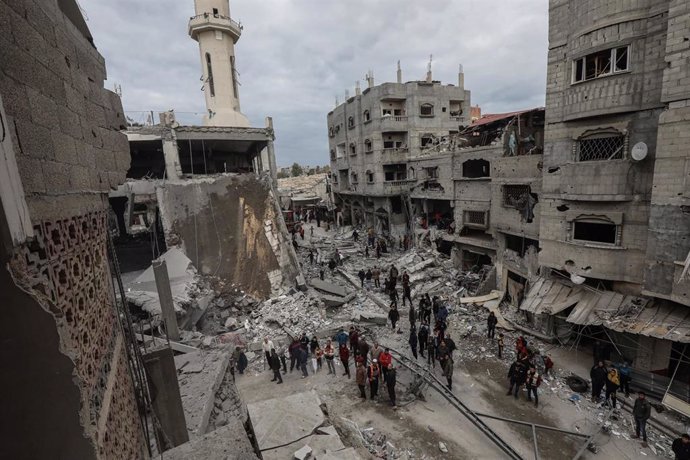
[64, 128]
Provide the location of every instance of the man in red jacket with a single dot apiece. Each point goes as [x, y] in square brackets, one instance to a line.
[345, 359]
[385, 360]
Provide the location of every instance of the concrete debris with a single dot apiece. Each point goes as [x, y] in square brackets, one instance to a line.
[442, 447]
[329, 288]
[303, 454]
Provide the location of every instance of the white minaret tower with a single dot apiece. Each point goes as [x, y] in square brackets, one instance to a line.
[217, 35]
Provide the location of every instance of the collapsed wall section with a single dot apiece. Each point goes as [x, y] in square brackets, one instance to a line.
[230, 226]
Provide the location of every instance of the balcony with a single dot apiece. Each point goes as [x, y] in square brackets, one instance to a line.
[207, 21]
[395, 187]
[393, 121]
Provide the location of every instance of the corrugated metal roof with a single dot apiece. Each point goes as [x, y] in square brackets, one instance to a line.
[623, 313]
[490, 118]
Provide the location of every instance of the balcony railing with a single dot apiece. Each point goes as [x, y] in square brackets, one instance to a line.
[209, 21]
[396, 150]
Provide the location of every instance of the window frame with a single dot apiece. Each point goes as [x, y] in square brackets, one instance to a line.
[590, 220]
[595, 135]
[350, 122]
[581, 63]
[368, 146]
[366, 116]
[370, 176]
[426, 105]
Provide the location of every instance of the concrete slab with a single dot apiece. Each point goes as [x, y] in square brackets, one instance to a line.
[332, 301]
[369, 317]
[421, 266]
[328, 288]
[282, 421]
[198, 387]
[226, 443]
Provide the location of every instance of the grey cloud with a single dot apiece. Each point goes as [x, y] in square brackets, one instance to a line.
[295, 56]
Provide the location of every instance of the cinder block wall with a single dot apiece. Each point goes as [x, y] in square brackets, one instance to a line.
[65, 136]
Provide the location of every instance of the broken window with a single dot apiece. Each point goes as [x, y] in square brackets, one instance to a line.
[370, 177]
[215, 12]
[426, 140]
[209, 78]
[601, 64]
[476, 219]
[431, 172]
[396, 205]
[426, 110]
[146, 160]
[366, 116]
[601, 147]
[521, 198]
[331, 132]
[596, 231]
[520, 244]
[353, 178]
[351, 122]
[395, 172]
[353, 149]
[476, 168]
[368, 146]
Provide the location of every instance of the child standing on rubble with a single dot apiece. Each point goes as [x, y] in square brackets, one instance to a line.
[318, 353]
[500, 345]
[329, 352]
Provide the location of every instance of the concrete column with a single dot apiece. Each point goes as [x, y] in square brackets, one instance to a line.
[160, 271]
[172, 159]
[165, 392]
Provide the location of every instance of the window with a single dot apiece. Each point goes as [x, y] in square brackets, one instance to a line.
[366, 116]
[370, 177]
[215, 12]
[475, 219]
[426, 140]
[386, 112]
[431, 173]
[368, 146]
[331, 132]
[426, 110]
[514, 194]
[332, 154]
[473, 169]
[209, 78]
[394, 172]
[601, 64]
[353, 149]
[600, 147]
[353, 178]
[596, 231]
[351, 122]
[520, 244]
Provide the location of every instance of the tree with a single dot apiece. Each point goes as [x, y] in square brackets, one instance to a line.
[283, 175]
[296, 170]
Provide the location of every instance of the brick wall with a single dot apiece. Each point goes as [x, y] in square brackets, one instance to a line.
[65, 136]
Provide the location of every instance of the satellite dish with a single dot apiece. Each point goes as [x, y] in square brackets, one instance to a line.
[639, 151]
[577, 279]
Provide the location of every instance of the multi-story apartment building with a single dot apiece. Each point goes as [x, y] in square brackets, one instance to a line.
[614, 204]
[374, 134]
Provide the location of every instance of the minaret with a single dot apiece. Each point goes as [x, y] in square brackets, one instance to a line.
[217, 35]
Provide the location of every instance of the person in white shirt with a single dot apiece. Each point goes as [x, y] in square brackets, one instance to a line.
[267, 346]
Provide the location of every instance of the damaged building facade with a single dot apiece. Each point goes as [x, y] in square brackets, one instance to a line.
[374, 135]
[614, 221]
[71, 376]
[208, 190]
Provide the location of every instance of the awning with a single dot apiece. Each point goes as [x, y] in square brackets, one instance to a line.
[623, 313]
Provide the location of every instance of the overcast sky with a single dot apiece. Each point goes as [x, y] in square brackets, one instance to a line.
[296, 56]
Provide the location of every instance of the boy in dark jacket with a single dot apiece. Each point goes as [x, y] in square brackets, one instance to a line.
[275, 366]
[641, 412]
[681, 447]
[598, 376]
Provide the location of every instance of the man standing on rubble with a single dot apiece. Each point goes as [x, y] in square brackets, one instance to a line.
[393, 314]
[361, 379]
[274, 362]
[311, 255]
[423, 336]
[598, 376]
[344, 355]
[413, 340]
[385, 360]
[641, 411]
[532, 383]
[412, 315]
[393, 275]
[407, 294]
[354, 339]
[293, 351]
[391, 380]
[363, 350]
[376, 274]
[431, 350]
[369, 276]
[302, 357]
[361, 276]
[373, 375]
[355, 236]
[267, 346]
[491, 322]
[446, 361]
[501, 344]
[517, 375]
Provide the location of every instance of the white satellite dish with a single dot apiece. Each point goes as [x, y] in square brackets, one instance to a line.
[639, 151]
[577, 279]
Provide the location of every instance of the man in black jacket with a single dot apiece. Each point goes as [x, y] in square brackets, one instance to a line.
[423, 336]
[491, 325]
[598, 376]
[681, 447]
[390, 382]
[275, 366]
[641, 411]
[517, 374]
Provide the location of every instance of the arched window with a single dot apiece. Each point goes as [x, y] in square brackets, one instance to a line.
[426, 110]
[601, 145]
[368, 148]
[351, 122]
[366, 115]
[331, 131]
[353, 149]
[209, 78]
[411, 173]
[353, 177]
